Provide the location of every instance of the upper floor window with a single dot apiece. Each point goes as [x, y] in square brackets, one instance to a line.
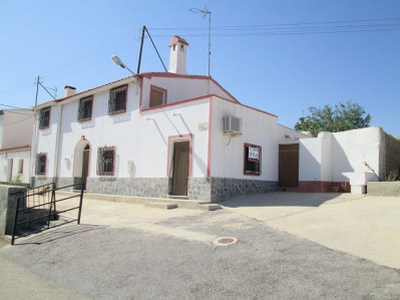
[41, 164]
[105, 161]
[252, 159]
[85, 109]
[44, 118]
[117, 101]
[158, 96]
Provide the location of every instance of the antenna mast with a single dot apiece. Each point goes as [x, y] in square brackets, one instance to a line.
[206, 12]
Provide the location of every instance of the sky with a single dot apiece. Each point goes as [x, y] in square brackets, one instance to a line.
[278, 56]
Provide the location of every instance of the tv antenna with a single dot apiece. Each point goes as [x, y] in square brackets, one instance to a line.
[206, 12]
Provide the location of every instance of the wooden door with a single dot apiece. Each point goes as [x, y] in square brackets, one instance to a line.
[180, 168]
[289, 165]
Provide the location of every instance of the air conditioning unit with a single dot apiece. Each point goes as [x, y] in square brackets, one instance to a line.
[232, 125]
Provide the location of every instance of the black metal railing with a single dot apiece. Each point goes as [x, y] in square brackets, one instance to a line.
[40, 203]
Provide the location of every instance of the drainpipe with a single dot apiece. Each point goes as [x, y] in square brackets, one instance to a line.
[35, 138]
[57, 148]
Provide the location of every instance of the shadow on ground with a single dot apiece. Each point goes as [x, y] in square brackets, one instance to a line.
[56, 234]
[286, 199]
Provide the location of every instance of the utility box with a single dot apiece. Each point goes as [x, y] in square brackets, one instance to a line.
[232, 125]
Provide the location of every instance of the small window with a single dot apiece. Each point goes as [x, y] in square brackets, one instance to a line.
[182, 48]
[117, 101]
[44, 118]
[85, 109]
[157, 96]
[41, 164]
[252, 159]
[21, 166]
[105, 161]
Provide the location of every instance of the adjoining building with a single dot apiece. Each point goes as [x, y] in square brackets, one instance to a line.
[16, 130]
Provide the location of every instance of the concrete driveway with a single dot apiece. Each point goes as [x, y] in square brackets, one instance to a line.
[364, 226]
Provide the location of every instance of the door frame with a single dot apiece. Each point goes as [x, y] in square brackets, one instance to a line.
[171, 143]
[78, 165]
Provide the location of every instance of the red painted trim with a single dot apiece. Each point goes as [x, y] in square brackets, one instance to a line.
[90, 154]
[151, 109]
[210, 110]
[92, 89]
[319, 187]
[171, 75]
[180, 137]
[159, 89]
[23, 147]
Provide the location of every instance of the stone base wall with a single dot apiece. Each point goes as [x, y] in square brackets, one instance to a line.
[41, 180]
[225, 188]
[209, 189]
[138, 187]
[8, 203]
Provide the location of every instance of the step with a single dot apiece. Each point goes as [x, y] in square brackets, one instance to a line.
[181, 202]
[162, 205]
[209, 207]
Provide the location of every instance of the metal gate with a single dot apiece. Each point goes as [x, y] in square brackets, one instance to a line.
[289, 165]
[38, 206]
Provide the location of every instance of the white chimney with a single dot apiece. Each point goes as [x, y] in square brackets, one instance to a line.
[69, 91]
[177, 58]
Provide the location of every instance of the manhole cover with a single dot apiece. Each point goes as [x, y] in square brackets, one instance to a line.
[225, 241]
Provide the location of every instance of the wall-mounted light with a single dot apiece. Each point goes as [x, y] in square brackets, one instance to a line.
[83, 138]
[150, 119]
[177, 114]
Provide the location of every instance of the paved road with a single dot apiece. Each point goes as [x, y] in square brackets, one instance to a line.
[174, 259]
[364, 226]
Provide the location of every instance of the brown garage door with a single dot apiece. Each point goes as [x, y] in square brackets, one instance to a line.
[289, 165]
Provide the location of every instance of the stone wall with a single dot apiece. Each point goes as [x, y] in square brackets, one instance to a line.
[206, 189]
[390, 156]
[225, 188]
[8, 203]
[391, 189]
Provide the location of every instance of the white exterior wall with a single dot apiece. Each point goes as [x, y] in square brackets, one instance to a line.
[286, 135]
[17, 128]
[179, 89]
[46, 142]
[258, 128]
[326, 157]
[141, 141]
[351, 149]
[16, 156]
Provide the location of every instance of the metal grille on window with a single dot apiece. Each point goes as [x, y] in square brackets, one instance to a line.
[40, 164]
[117, 101]
[85, 109]
[105, 161]
[44, 118]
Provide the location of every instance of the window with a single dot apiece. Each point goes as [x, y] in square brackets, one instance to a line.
[105, 161]
[41, 164]
[157, 96]
[117, 101]
[85, 109]
[252, 159]
[44, 118]
[21, 166]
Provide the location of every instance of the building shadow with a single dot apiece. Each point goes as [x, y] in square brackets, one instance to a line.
[57, 233]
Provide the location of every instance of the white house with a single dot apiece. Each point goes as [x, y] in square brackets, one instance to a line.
[16, 129]
[159, 135]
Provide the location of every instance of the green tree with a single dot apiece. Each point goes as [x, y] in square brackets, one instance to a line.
[340, 118]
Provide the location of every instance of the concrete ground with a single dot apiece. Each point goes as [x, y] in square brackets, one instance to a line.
[364, 226]
[124, 251]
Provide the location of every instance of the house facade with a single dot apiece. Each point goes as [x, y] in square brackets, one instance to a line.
[159, 135]
[16, 130]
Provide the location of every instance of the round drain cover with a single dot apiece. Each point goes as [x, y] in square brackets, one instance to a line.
[225, 241]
